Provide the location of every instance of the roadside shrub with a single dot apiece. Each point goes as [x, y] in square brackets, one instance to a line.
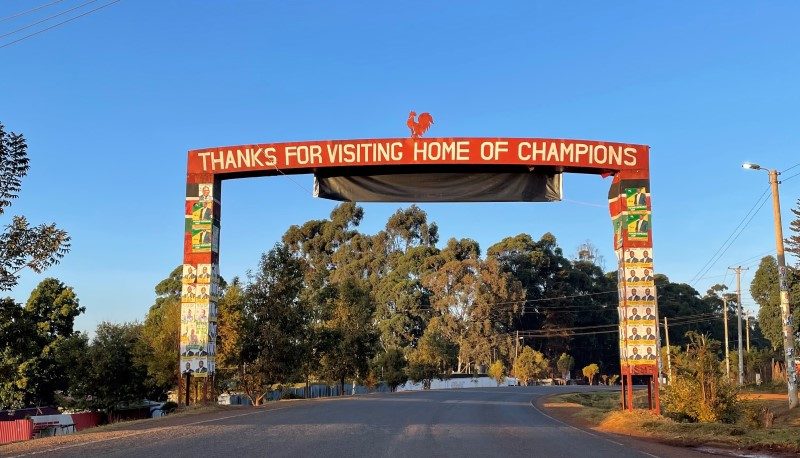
[497, 371]
[700, 392]
[169, 407]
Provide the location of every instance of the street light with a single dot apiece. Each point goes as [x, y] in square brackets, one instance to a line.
[783, 284]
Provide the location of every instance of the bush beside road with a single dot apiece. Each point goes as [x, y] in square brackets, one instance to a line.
[600, 411]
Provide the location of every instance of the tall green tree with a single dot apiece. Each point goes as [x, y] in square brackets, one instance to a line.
[390, 367]
[31, 338]
[160, 335]
[546, 277]
[273, 307]
[23, 245]
[434, 355]
[348, 333]
[117, 372]
[765, 291]
[564, 364]
[232, 336]
[404, 251]
[477, 302]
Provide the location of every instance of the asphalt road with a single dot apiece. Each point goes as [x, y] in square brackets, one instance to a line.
[497, 422]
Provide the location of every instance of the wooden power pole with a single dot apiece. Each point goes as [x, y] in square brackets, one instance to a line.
[747, 328]
[669, 352]
[727, 345]
[738, 271]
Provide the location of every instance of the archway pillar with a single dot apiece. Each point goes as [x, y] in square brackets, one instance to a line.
[639, 335]
[200, 284]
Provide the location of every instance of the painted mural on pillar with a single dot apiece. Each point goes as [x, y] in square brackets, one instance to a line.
[200, 282]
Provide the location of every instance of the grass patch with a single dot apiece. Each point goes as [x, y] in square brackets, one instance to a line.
[602, 411]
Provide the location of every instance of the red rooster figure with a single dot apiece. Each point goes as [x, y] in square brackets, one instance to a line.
[418, 128]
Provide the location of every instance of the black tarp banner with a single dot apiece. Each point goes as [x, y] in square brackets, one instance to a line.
[445, 186]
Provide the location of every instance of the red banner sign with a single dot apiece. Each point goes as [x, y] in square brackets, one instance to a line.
[571, 155]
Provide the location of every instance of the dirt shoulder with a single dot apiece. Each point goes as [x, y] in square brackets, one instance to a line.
[177, 421]
[599, 412]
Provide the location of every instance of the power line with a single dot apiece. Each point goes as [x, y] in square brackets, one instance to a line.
[25, 27]
[58, 24]
[528, 335]
[703, 269]
[790, 168]
[22, 13]
[292, 179]
[587, 204]
[758, 258]
[687, 319]
[748, 217]
[787, 179]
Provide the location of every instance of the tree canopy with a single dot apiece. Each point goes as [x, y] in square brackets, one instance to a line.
[23, 245]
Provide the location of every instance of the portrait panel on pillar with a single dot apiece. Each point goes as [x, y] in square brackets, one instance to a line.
[189, 274]
[188, 292]
[201, 240]
[202, 213]
[186, 365]
[202, 312]
[205, 192]
[638, 257]
[637, 199]
[642, 318]
[188, 310]
[641, 332]
[203, 293]
[204, 275]
[638, 227]
[642, 354]
[202, 369]
[641, 277]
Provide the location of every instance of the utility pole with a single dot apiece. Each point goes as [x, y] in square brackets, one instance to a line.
[786, 316]
[783, 286]
[727, 345]
[747, 328]
[738, 271]
[516, 351]
[669, 352]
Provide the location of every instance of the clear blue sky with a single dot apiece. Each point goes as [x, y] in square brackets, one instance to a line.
[111, 102]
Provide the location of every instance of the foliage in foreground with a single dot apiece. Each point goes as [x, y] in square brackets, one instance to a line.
[700, 391]
[22, 245]
[602, 409]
